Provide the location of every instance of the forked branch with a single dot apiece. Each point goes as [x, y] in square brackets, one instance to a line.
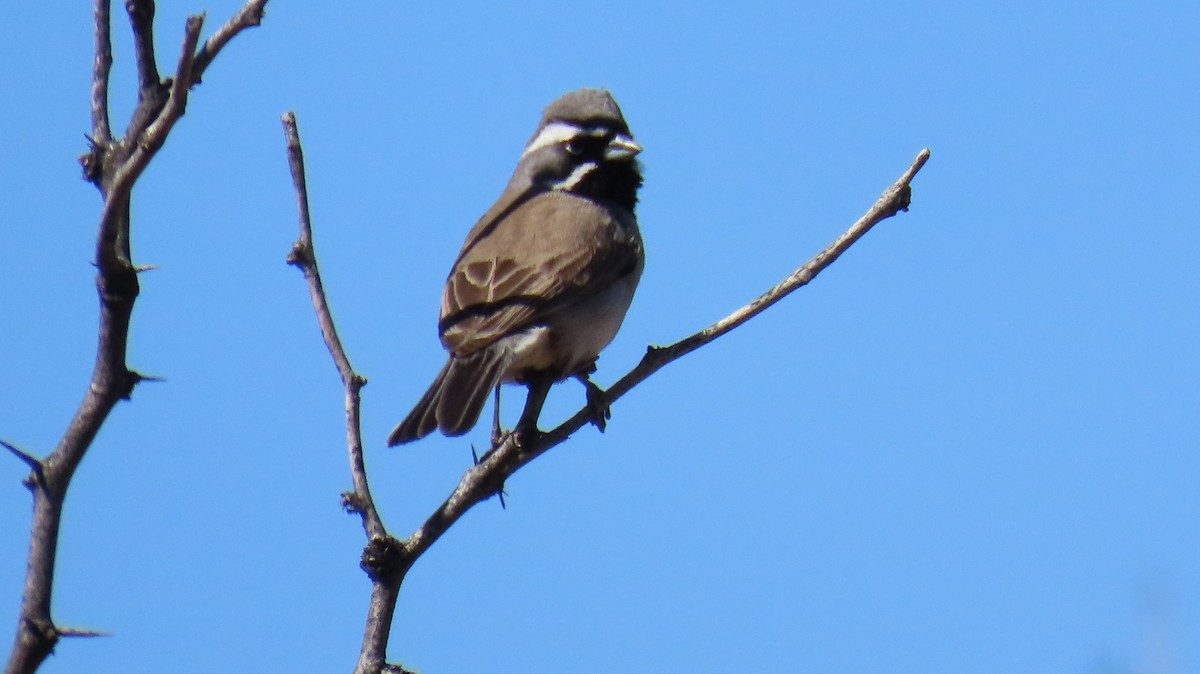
[379, 555]
[386, 559]
[113, 165]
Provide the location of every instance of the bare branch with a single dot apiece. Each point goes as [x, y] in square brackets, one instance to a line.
[157, 132]
[303, 256]
[250, 15]
[152, 92]
[114, 166]
[114, 218]
[141, 20]
[101, 67]
[381, 553]
[489, 475]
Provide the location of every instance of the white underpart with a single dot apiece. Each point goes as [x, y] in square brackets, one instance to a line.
[570, 339]
[530, 348]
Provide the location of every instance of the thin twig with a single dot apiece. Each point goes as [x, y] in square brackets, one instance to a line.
[250, 15]
[101, 68]
[152, 92]
[141, 21]
[486, 478]
[156, 133]
[148, 138]
[303, 256]
[380, 553]
[114, 216]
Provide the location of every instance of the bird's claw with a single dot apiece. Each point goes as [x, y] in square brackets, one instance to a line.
[597, 402]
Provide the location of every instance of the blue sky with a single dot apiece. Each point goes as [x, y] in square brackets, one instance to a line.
[969, 446]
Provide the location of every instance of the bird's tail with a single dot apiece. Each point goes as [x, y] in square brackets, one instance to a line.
[456, 398]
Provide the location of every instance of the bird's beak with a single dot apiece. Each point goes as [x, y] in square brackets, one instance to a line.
[621, 147]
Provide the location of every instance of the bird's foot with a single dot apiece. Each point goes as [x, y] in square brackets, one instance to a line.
[526, 436]
[520, 436]
[597, 402]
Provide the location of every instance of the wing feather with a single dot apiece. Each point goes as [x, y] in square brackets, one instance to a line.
[522, 269]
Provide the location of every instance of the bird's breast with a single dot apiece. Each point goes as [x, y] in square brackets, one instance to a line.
[571, 338]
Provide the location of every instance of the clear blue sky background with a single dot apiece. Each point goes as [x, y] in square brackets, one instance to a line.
[969, 446]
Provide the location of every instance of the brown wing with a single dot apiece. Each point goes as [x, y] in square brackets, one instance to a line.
[549, 252]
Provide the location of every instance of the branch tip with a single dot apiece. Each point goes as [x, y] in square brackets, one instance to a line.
[249, 16]
[918, 163]
[101, 67]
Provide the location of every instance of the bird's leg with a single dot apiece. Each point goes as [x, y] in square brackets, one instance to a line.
[497, 433]
[539, 388]
[597, 400]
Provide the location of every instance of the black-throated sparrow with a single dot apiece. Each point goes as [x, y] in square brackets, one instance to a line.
[545, 277]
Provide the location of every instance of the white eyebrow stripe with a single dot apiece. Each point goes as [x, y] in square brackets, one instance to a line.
[553, 134]
[558, 132]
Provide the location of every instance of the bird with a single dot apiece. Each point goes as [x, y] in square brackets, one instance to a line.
[544, 279]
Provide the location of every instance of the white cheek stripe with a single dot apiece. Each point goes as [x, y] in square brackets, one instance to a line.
[553, 134]
[580, 172]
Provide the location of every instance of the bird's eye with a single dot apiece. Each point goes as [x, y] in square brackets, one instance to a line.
[574, 147]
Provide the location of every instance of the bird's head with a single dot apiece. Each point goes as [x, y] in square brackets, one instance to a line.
[583, 145]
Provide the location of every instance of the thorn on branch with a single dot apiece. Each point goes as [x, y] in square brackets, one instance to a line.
[132, 379]
[80, 632]
[499, 490]
[34, 463]
[92, 161]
